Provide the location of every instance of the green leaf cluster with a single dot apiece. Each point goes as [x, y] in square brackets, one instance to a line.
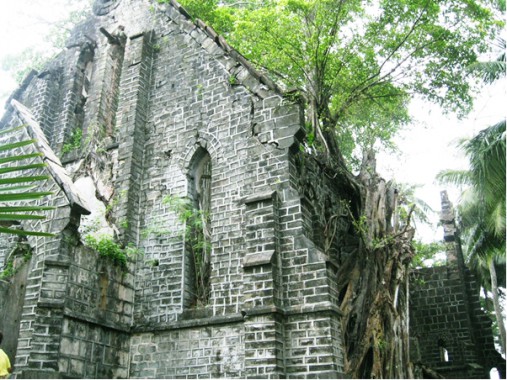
[74, 142]
[36, 57]
[482, 207]
[9, 269]
[425, 254]
[108, 248]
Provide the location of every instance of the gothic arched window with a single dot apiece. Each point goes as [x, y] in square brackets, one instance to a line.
[197, 245]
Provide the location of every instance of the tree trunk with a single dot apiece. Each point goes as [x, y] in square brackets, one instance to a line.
[496, 302]
[374, 287]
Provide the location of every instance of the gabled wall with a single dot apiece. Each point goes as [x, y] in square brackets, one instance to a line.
[150, 91]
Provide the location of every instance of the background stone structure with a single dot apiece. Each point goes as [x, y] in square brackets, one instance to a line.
[134, 105]
[451, 333]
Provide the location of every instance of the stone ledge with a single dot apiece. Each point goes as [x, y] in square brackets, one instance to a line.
[256, 311]
[293, 310]
[195, 313]
[257, 259]
[313, 308]
[50, 304]
[258, 197]
[201, 322]
[112, 326]
[57, 263]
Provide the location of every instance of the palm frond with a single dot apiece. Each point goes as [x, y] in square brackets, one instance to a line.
[25, 179]
[25, 208]
[17, 217]
[496, 221]
[454, 177]
[15, 145]
[5, 160]
[9, 197]
[16, 186]
[22, 168]
[489, 72]
[14, 231]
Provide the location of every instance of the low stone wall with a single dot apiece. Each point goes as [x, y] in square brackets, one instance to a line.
[12, 296]
[451, 334]
[194, 349]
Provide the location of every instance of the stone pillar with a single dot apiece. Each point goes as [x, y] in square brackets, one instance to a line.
[447, 218]
[132, 116]
[71, 98]
[46, 102]
[104, 94]
[264, 344]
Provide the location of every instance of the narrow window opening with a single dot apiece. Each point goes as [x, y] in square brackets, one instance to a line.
[444, 354]
[494, 373]
[307, 213]
[73, 135]
[87, 79]
[198, 228]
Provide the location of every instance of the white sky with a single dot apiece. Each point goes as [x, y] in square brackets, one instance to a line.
[427, 147]
[25, 24]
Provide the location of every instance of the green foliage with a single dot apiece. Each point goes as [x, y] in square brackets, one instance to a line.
[483, 202]
[357, 64]
[114, 202]
[426, 254]
[196, 242]
[482, 207]
[111, 250]
[9, 269]
[233, 80]
[157, 229]
[381, 344]
[74, 142]
[378, 244]
[408, 201]
[60, 30]
[361, 225]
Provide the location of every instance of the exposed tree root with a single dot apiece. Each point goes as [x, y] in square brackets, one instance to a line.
[374, 284]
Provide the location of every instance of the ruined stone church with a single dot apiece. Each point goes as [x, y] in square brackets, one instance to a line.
[155, 131]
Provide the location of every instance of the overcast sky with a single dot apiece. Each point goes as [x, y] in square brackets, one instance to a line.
[426, 147]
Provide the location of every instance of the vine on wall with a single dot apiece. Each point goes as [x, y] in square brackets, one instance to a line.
[196, 235]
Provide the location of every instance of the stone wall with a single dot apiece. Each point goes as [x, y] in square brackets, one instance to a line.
[451, 333]
[152, 93]
[212, 348]
[97, 315]
[81, 322]
[440, 320]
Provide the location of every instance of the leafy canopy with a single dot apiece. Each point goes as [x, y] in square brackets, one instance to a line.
[357, 63]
